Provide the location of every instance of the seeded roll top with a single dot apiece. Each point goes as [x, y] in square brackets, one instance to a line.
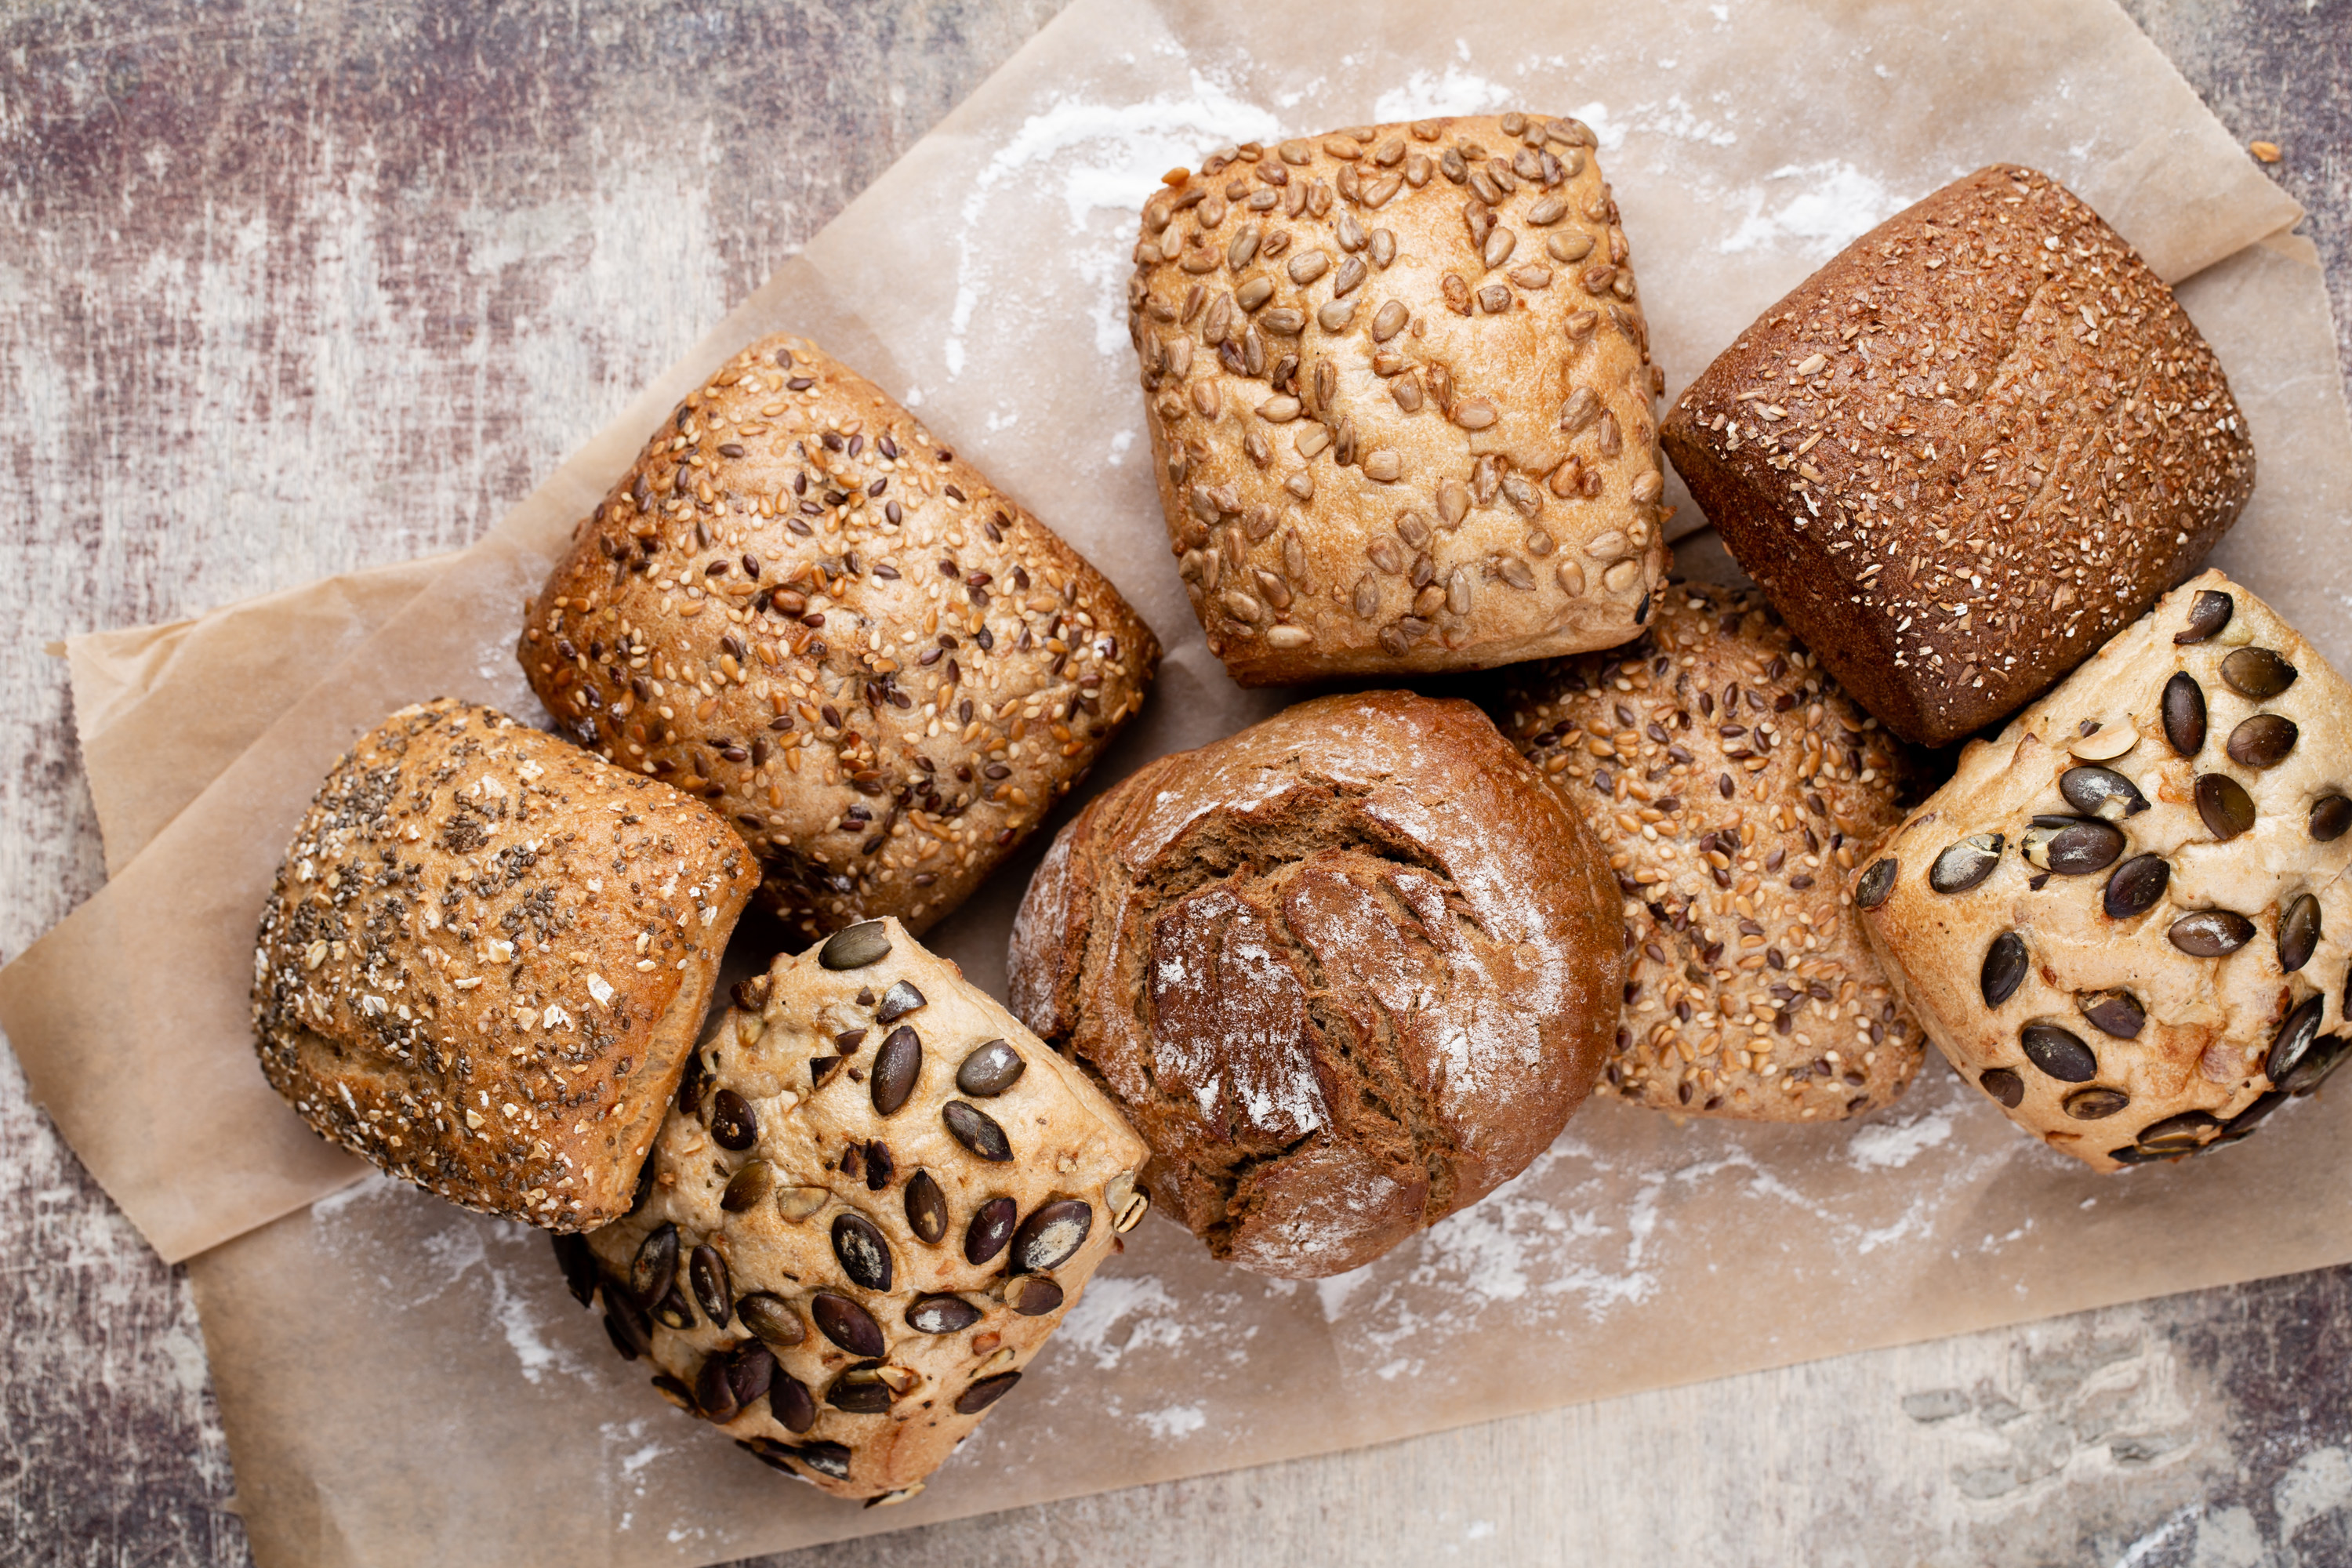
[1346, 971]
[1399, 395]
[486, 957]
[1732, 785]
[874, 1199]
[1966, 452]
[2125, 917]
[802, 607]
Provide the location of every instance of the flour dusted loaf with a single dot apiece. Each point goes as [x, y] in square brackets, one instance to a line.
[1399, 395]
[486, 957]
[1968, 451]
[874, 1199]
[2125, 917]
[802, 607]
[1346, 971]
[1732, 785]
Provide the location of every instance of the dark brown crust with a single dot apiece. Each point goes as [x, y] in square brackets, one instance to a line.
[2000, 362]
[787, 491]
[1346, 971]
[486, 957]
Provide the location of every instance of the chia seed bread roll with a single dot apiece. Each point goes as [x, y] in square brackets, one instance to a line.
[2124, 919]
[486, 957]
[1346, 971]
[1399, 396]
[1732, 785]
[876, 1198]
[802, 607]
[1968, 451]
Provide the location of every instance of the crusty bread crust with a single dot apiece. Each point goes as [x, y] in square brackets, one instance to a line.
[1401, 399]
[1967, 451]
[486, 957]
[801, 606]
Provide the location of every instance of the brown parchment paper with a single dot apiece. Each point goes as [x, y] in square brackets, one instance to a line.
[404, 1382]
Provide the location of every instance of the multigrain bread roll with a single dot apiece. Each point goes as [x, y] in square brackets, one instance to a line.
[1346, 971]
[1968, 451]
[1732, 784]
[1400, 395]
[2125, 917]
[801, 606]
[876, 1198]
[486, 957]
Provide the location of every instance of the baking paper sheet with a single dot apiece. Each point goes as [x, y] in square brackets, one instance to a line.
[404, 1382]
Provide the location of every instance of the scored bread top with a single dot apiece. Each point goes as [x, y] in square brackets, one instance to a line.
[486, 957]
[1400, 398]
[1976, 444]
[804, 607]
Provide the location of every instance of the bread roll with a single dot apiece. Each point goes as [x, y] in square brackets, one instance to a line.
[1732, 784]
[2125, 917]
[1400, 395]
[486, 957]
[1968, 451]
[801, 607]
[1346, 971]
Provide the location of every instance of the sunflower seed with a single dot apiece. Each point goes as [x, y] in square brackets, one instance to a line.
[1389, 321]
[2257, 672]
[846, 1323]
[2059, 1052]
[896, 1068]
[2211, 933]
[707, 1272]
[2207, 614]
[2106, 741]
[1242, 248]
[2005, 965]
[1382, 464]
[863, 1250]
[1966, 863]
[1569, 245]
[2261, 741]
[897, 1002]
[2330, 815]
[1254, 292]
[2298, 933]
[2102, 793]
[942, 1314]
[854, 947]
[2184, 714]
[2117, 1013]
[991, 1228]
[1335, 316]
[2227, 810]
[1126, 1202]
[2073, 846]
[2003, 1085]
[1875, 884]
[654, 1267]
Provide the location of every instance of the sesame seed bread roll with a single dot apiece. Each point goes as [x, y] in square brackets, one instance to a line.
[486, 957]
[1346, 971]
[876, 1199]
[1400, 395]
[2124, 919]
[1968, 451]
[1732, 785]
[802, 607]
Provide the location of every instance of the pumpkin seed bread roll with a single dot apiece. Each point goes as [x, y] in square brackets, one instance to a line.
[1968, 451]
[1401, 399]
[1732, 785]
[801, 607]
[1346, 971]
[485, 958]
[875, 1200]
[2125, 917]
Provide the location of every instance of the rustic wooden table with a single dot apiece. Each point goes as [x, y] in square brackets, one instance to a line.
[289, 290]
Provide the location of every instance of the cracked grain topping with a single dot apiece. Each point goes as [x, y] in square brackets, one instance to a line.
[802, 607]
[1346, 971]
[1968, 451]
[1401, 399]
[1732, 785]
[874, 1199]
[2148, 954]
[486, 957]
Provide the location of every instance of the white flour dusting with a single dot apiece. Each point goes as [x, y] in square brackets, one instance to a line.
[1110, 1299]
[1891, 1145]
[1176, 1421]
[1815, 209]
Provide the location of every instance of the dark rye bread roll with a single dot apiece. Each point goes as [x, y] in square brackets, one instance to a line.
[485, 958]
[1346, 971]
[800, 605]
[1733, 786]
[1400, 398]
[1968, 451]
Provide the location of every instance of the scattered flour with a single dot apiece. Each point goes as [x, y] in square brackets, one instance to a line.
[1107, 1301]
[1890, 1145]
[1815, 209]
[1176, 1421]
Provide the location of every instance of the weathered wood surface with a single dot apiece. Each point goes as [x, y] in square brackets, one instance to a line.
[289, 290]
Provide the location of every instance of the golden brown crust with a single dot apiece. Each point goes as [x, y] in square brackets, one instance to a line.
[485, 958]
[801, 1053]
[1753, 992]
[1346, 971]
[802, 607]
[1967, 451]
[1399, 396]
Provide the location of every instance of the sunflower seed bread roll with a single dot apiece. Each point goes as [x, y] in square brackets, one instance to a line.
[802, 607]
[1732, 785]
[2124, 919]
[875, 1200]
[1401, 399]
[1346, 971]
[486, 957]
[1977, 444]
